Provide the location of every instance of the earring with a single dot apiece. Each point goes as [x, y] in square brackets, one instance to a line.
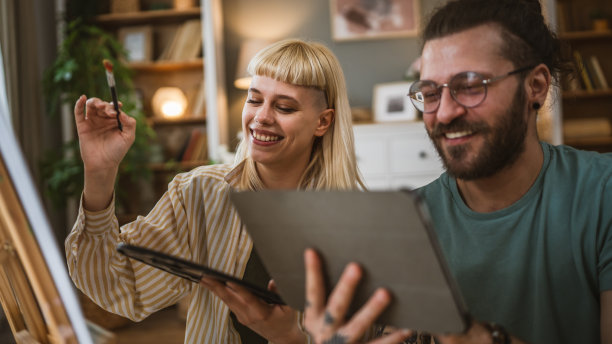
[536, 106]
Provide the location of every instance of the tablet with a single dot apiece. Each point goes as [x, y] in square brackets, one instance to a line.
[388, 233]
[190, 270]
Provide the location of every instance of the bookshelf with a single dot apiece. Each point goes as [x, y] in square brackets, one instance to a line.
[165, 66]
[175, 59]
[587, 99]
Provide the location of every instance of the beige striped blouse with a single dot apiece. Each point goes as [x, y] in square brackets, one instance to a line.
[194, 220]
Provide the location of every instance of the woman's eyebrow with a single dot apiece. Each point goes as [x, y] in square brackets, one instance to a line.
[279, 96]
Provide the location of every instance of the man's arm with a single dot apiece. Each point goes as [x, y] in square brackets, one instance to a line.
[606, 317]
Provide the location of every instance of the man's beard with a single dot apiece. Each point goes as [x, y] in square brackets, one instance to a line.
[504, 142]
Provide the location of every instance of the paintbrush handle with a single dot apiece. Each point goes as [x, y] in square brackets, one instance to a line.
[116, 105]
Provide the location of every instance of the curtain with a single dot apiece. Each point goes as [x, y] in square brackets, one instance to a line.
[27, 35]
[28, 42]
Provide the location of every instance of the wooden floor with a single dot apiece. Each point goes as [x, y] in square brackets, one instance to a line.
[164, 326]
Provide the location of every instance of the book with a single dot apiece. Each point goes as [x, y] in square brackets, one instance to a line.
[598, 74]
[584, 75]
[193, 141]
[198, 102]
[187, 41]
[166, 54]
[199, 153]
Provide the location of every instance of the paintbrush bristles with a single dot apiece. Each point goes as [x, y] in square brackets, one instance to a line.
[108, 65]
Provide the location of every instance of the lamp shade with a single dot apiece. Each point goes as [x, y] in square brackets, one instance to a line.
[169, 102]
[248, 49]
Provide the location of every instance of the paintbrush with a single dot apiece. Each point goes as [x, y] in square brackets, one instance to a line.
[110, 78]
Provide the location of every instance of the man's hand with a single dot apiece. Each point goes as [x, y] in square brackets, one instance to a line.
[325, 322]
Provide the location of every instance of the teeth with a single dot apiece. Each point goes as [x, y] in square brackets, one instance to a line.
[457, 135]
[265, 138]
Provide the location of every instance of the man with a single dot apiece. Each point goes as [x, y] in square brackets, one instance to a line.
[526, 227]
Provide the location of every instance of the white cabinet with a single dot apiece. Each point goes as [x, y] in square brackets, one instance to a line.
[395, 155]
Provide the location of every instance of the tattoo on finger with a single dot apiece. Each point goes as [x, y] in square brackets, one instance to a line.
[329, 319]
[307, 304]
[336, 339]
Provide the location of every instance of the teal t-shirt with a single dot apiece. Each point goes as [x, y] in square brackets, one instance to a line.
[538, 266]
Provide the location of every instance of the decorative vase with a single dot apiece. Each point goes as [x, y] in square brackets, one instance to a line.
[601, 24]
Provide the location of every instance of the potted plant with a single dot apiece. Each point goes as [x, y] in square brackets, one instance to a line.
[78, 70]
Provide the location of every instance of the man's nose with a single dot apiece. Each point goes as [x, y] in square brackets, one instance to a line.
[449, 108]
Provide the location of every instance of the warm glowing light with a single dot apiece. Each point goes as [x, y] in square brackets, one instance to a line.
[169, 102]
[172, 108]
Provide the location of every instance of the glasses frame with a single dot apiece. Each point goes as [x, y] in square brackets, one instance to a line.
[420, 106]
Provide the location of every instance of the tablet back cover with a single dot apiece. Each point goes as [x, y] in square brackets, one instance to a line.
[386, 232]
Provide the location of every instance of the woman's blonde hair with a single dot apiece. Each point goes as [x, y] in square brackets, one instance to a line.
[332, 162]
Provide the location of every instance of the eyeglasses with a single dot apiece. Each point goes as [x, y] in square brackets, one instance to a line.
[469, 89]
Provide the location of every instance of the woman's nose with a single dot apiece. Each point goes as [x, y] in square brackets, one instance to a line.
[264, 115]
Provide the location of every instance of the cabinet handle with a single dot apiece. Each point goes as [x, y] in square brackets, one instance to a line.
[423, 154]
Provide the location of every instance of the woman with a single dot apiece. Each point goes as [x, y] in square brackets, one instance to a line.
[297, 135]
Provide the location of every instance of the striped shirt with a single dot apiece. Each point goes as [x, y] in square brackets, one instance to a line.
[194, 220]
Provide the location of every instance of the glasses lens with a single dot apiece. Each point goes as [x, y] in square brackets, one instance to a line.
[425, 96]
[468, 88]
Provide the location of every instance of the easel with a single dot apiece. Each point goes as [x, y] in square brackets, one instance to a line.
[28, 294]
[29, 297]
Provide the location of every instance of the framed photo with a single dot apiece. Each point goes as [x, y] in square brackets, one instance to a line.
[391, 102]
[137, 41]
[367, 19]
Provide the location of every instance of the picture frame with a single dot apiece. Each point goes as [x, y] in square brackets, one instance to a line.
[391, 102]
[361, 19]
[137, 41]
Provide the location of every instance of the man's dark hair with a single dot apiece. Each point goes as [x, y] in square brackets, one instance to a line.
[528, 39]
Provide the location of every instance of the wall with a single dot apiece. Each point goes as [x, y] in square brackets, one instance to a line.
[365, 63]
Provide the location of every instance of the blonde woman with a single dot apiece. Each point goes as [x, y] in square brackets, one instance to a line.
[297, 135]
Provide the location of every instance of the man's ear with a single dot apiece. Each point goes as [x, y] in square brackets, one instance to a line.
[537, 84]
[326, 118]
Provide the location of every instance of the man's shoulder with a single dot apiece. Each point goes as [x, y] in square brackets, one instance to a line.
[436, 187]
[580, 161]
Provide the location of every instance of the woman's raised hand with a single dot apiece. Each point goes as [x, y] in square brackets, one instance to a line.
[102, 146]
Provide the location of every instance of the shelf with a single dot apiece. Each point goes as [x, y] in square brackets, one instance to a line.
[583, 94]
[590, 141]
[146, 16]
[585, 35]
[166, 66]
[174, 166]
[182, 120]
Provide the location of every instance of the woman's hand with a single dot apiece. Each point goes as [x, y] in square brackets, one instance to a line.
[276, 323]
[102, 146]
[324, 322]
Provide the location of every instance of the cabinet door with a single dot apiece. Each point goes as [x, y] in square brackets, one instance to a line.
[371, 151]
[413, 154]
[395, 155]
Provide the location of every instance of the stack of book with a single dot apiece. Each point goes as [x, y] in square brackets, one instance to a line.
[591, 76]
[186, 44]
[195, 147]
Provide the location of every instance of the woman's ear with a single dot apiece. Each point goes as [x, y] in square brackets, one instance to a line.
[537, 85]
[326, 118]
